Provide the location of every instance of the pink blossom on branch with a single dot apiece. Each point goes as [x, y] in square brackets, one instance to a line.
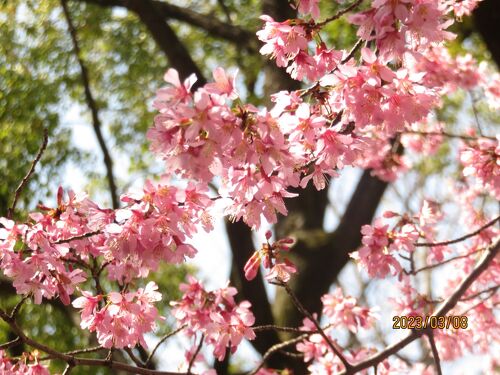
[124, 319]
[21, 366]
[216, 315]
[271, 257]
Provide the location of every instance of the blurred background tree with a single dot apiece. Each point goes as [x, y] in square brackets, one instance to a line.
[123, 48]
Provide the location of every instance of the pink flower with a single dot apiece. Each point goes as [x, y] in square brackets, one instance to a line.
[124, 320]
[375, 255]
[309, 7]
[223, 85]
[10, 366]
[344, 311]
[281, 271]
[482, 161]
[272, 258]
[177, 92]
[214, 314]
[283, 41]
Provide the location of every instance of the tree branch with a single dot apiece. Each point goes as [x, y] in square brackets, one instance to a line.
[450, 302]
[26, 178]
[240, 241]
[162, 340]
[308, 315]
[435, 353]
[177, 54]
[89, 98]
[213, 26]
[74, 361]
[462, 238]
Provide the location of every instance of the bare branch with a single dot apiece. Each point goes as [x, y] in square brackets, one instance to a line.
[213, 26]
[24, 181]
[11, 343]
[278, 347]
[67, 369]
[491, 290]
[191, 362]
[277, 328]
[340, 13]
[133, 357]
[414, 272]
[162, 340]
[307, 314]
[448, 135]
[435, 353]
[91, 103]
[460, 239]
[79, 237]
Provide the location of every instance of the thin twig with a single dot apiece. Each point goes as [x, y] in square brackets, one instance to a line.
[476, 114]
[448, 135]
[133, 357]
[11, 343]
[18, 306]
[24, 181]
[459, 239]
[351, 52]
[435, 353]
[91, 103]
[275, 348]
[443, 262]
[191, 362]
[269, 327]
[492, 290]
[86, 350]
[79, 237]
[67, 369]
[340, 13]
[307, 314]
[162, 340]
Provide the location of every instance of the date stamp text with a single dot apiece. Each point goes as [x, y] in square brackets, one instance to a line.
[430, 321]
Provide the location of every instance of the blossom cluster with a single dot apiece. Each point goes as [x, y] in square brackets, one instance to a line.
[215, 315]
[123, 319]
[482, 161]
[380, 244]
[20, 367]
[60, 248]
[340, 311]
[357, 112]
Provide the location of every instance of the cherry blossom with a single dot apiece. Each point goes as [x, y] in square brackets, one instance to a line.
[271, 257]
[10, 366]
[124, 319]
[214, 314]
[482, 161]
[343, 311]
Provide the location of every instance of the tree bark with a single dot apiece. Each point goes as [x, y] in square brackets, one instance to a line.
[487, 23]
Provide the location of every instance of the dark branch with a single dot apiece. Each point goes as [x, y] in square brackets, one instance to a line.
[240, 240]
[176, 52]
[91, 103]
[213, 26]
[26, 178]
[77, 361]
[435, 353]
[462, 238]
